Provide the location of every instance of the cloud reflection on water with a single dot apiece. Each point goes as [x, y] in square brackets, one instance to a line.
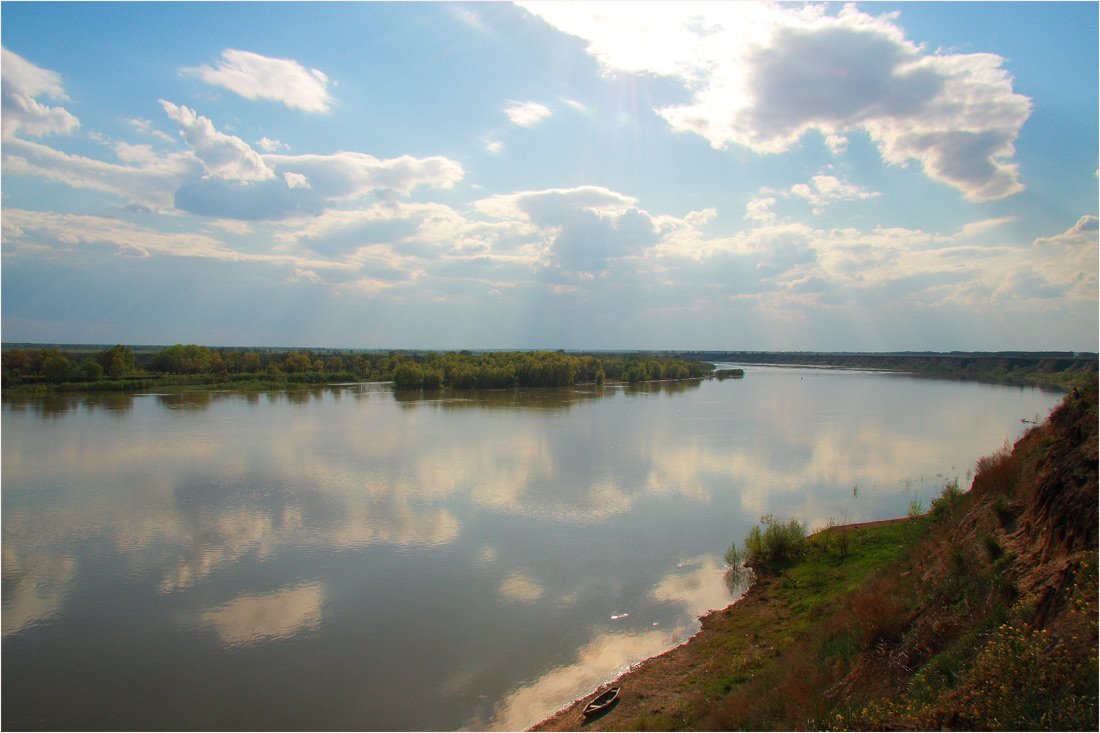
[698, 586]
[35, 588]
[249, 619]
[383, 471]
[554, 516]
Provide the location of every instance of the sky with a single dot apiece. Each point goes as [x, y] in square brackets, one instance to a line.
[624, 175]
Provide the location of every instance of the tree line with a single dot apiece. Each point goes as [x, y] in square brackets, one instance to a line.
[118, 367]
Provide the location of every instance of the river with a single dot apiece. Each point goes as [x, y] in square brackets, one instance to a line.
[356, 558]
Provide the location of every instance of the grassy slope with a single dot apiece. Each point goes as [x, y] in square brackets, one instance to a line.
[980, 614]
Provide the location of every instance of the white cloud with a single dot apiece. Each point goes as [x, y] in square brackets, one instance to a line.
[527, 114]
[345, 175]
[975, 228]
[222, 177]
[698, 218]
[398, 228]
[1083, 233]
[1068, 260]
[77, 231]
[824, 190]
[150, 181]
[270, 146]
[223, 156]
[837, 144]
[553, 203]
[585, 229]
[576, 105]
[258, 77]
[761, 75]
[493, 147]
[296, 180]
[21, 82]
[760, 209]
[36, 229]
[145, 127]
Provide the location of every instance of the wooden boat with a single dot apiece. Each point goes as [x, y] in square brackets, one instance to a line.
[600, 703]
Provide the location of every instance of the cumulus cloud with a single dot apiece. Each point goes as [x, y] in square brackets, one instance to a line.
[548, 205]
[1084, 232]
[296, 180]
[762, 75]
[273, 199]
[413, 229]
[759, 209]
[586, 228]
[345, 175]
[223, 156]
[258, 77]
[698, 218]
[20, 82]
[824, 190]
[272, 186]
[268, 145]
[837, 144]
[527, 114]
[1068, 260]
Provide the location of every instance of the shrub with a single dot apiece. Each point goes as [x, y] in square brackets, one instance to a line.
[948, 499]
[997, 473]
[769, 549]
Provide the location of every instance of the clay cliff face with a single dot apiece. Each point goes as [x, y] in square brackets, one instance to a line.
[1047, 501]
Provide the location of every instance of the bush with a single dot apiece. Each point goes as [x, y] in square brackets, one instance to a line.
[948, 499]
[768, 550]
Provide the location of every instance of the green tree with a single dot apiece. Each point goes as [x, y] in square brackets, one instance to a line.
[296, 362]
[433, 379]
[180, 359]
[56, 368]
[116, 361]
[408, 375]
[22, 362]
[250, 362]
[90, 371]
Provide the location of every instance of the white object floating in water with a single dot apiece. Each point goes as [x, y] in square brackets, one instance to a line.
[621, 615]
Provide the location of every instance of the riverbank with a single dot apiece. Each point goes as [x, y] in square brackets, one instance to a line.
[734, 643]
[901, 625]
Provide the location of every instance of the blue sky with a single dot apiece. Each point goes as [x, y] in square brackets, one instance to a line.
[630, 175]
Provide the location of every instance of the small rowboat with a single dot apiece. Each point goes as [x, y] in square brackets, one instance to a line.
[601, 702]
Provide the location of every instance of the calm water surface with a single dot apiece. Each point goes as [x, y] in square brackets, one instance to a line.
[354, 558]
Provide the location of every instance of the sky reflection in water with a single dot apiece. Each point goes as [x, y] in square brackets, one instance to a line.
[498, 553]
